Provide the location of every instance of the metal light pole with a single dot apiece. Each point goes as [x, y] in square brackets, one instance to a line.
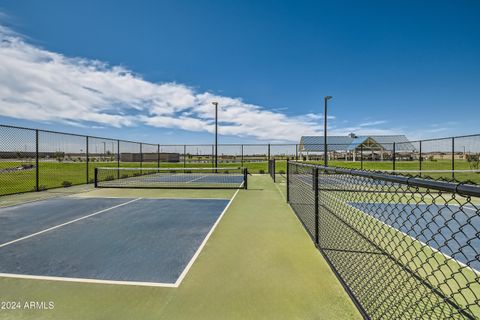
[325, 146]
[216, 133]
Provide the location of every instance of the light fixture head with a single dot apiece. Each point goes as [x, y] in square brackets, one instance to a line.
[328, 97]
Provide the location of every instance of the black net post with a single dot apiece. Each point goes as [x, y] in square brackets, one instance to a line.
[315, 190]
[245, 178]
[158, 156]
[296, 152]
[95, 181]
[269, 151]
[37, 187]
[86, 154]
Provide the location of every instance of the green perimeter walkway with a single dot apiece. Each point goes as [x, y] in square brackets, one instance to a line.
[258, 264]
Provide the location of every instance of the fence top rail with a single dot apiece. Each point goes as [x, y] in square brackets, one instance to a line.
[68, 133]
[226, 144]
[457, 188]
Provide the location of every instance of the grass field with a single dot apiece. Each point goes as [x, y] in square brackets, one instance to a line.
[61, 174]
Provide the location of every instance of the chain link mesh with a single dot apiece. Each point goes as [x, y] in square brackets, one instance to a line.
[402, 249]
[17, 160]
[63, 159]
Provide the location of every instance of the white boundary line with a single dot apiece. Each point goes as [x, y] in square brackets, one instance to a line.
[33, 200]
[86, 280]
[197, 253]
[147, 198]
[66, 223]
[196, 179]
[116, 282]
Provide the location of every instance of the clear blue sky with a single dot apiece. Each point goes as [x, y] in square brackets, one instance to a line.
[409, 67]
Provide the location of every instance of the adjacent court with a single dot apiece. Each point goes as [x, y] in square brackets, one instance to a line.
[448, 229]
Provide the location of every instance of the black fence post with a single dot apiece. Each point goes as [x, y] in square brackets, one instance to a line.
[242, 156]
[288, 181]
[213, 156]
[158, 156]
[269, 151]
[141, 155]
[394, 157]
[420, 158]
[296, 152]
[118, 159]
[86, 161]
[315, 190]
[361, 156]
[37, 171]
[453, 158]
[184, 155]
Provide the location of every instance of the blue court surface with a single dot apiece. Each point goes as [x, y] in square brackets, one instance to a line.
[197, 178]
[107, 239]
[447, 229]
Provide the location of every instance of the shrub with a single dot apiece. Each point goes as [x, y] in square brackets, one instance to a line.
[66, 184]
[473, 160]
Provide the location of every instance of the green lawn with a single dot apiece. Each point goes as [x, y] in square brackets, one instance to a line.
[58, 174]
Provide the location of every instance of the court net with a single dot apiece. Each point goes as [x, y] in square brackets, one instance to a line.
[404, 247]
[186, 178]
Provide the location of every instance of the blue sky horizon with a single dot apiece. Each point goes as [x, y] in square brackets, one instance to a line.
[149, 70]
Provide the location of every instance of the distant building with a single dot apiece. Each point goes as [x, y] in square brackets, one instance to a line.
[351, 147]
[149, 157]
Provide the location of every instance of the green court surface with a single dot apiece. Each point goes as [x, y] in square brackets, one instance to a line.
[259, 263]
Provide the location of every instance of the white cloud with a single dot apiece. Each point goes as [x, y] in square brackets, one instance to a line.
[38, 84]
[372, 123]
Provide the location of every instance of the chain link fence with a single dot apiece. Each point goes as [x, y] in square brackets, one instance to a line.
[32, 160]
[403, 247]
